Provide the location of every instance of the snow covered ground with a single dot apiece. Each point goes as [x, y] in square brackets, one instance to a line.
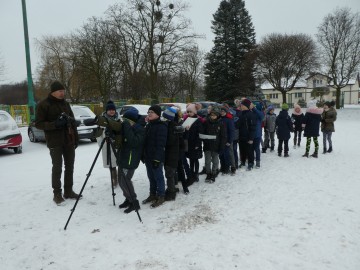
[293, 213]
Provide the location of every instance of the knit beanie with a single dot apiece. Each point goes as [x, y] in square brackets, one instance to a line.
[215, 110]
[285, 106]
[169, 113]
[56, 85]
[246, 102]
[191, 108]
[156, 109]
[110, 106]
[132, 114]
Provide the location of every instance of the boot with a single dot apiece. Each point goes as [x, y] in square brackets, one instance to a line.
[263, 150]
[306, 154]
[170, 195]
[125, 204]
[158, 202]
[114, 178]
[315, 155]
[133, 206]
[212, 178]
[250, 167]
[58, 198]
[286, 154]
[279, 154]
[71, 195]
[257, 166]
[324, 152]
[330, 149]
[232, 170]
[151, 198]
[208, 177]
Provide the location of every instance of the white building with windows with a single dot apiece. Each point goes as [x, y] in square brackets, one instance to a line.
[304, 87]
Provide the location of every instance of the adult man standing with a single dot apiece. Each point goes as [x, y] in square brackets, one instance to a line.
[55, 117]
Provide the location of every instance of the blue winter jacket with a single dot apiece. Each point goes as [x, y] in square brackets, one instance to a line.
[259, 118]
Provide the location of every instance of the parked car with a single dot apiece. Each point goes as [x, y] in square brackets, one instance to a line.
[143, 109]
[80, 113]
[164, 106]
[10, 135]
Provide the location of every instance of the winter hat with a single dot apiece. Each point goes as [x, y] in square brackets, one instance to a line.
[56, 85]
[132, 114]
[224, 108]
[284, 106]
[170, 113]
[191, 108]
[156, 109]
[246, 102]
[215, 110]
[110, 106]
[271, 107]
[329, 103]
[311, 103]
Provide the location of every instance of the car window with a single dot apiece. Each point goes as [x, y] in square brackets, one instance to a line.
[81, 112]
[4, 118]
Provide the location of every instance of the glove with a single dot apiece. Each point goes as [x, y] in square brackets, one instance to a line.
[61, 122]
[155, 164]
[250, 142]
[102, 121]
[227, 144]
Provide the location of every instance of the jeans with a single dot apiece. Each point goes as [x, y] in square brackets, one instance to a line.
[156, 178]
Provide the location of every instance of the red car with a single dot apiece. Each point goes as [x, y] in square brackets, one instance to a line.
[10, 136]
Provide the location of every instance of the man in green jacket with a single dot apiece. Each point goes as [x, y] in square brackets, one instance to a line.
[55, 117]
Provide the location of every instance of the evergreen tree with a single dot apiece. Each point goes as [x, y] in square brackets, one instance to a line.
[230, 63]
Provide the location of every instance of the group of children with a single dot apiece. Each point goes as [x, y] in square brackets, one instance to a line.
[172, 142]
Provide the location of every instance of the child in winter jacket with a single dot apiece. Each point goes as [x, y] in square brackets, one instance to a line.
[269, 127]
[311, 126]
[283, 128]
[328, 118]
[297, 118]
[214, 138]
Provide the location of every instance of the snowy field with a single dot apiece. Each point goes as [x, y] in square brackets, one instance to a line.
[292, 214]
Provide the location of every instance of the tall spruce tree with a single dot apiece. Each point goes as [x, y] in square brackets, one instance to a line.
[230, 64]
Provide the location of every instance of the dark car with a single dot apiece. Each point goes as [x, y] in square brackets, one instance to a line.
[81, 113]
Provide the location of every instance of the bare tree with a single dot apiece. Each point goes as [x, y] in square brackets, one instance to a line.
[284, 59]
[166, 33]
[339, 38]
[192, 68]
[59, 63]
[96, 58]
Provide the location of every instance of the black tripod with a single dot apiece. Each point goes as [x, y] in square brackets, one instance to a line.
[109, 143]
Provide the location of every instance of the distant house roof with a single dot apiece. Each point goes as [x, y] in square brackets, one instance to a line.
[301, 83]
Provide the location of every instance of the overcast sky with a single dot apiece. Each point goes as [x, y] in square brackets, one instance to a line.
[56, 17]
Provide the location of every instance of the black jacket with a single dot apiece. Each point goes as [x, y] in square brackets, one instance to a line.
[155, 140]
[218, 129]
[247, 126]
[283, 125]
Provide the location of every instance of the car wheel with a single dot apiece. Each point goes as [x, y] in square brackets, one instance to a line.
[18, 150]
[31, 136]
[93, 139]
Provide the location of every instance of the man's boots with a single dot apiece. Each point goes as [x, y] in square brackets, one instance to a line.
[330, 149]
[324, 152]
[170, 195]
[306, 154]
[58, 198]
[158, 202]
[71, 195]
[315, 155]
[125, 204]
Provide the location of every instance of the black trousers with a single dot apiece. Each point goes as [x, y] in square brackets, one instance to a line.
[58, 154]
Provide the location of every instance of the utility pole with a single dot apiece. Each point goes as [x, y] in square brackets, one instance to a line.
[31, 102]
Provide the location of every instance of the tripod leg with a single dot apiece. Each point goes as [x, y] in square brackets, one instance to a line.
[87, 178]
[108, 153]
[127, 186]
